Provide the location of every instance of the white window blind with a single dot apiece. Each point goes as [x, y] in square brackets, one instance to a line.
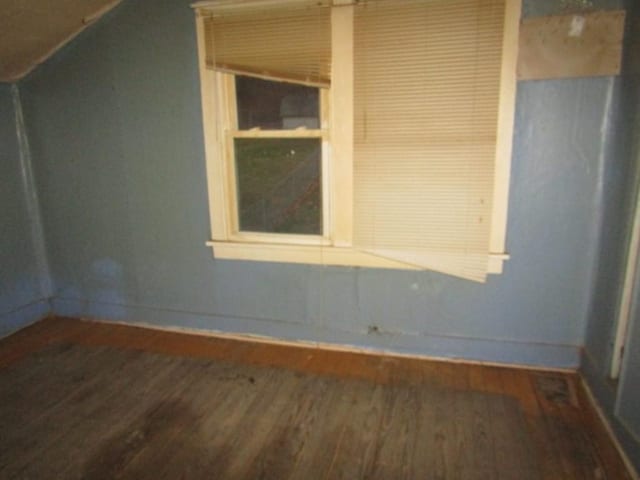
[426, 99]
[286, 41]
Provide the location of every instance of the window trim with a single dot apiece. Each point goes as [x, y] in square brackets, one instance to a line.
[504, 139]
[335, 247]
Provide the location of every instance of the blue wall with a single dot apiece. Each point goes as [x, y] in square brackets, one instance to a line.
[115, 127]
[620, 178]
[23, 275]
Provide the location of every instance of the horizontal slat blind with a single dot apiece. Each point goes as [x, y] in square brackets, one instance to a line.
[426, 93]
[288, 43]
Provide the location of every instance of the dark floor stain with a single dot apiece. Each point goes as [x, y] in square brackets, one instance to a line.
[148, 443]
[555, 389]
[236, 377]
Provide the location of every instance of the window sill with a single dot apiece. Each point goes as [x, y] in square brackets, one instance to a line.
[338, 256]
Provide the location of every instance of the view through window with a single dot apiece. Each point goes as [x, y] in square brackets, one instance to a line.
[278, 178]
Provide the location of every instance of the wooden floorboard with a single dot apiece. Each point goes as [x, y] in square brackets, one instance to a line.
[83, 400]
[358, 435]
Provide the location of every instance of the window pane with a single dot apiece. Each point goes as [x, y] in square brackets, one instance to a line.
[275, 105]
[279, 185]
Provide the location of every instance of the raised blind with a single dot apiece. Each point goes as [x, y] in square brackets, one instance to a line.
[287, 43]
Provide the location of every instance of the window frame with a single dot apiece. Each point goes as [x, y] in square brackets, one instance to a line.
[335, 246]
[231, 131]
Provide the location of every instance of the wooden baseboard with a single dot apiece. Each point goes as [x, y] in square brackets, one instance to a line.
[247, 337]
[604, 421]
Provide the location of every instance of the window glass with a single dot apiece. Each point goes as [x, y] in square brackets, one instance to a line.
[279, 185]
[275, 105]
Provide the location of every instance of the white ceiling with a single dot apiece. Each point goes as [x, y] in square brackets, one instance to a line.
[32, 30]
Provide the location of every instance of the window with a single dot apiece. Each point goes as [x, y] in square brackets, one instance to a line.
[275, 142]
[375, 133]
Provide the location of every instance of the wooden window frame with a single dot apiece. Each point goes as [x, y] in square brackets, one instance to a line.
[335, 245]
[230, 131]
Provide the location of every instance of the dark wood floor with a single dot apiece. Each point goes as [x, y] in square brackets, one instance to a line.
[89, 400]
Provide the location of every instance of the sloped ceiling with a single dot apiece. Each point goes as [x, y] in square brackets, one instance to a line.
[32, 30]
